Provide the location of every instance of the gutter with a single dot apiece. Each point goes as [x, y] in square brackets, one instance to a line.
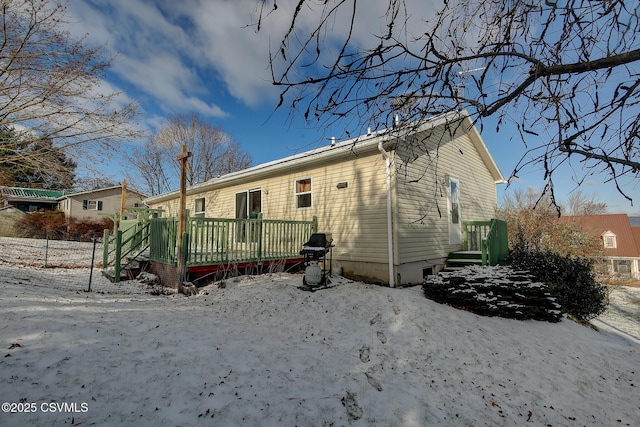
[385, 156]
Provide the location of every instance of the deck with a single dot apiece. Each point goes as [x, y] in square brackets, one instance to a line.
[211, 244]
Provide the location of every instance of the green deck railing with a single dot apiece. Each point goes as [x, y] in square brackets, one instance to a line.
[129, 240]
[219, 241]
[162, 240]
[475, 232]
[488, 237]
[126, 243]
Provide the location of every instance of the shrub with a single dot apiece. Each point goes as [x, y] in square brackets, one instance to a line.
[570, 280]
[84, 230]
[43, 224]
[54, 226]
[493, 291]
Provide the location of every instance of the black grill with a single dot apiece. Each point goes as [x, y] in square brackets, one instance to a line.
[318, 245]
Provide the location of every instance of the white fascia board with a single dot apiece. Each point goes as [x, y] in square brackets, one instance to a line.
[98, 190]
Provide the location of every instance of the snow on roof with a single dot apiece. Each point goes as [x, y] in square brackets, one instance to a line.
[30, 193]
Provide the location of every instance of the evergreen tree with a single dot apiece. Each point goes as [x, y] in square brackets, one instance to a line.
[58, 174]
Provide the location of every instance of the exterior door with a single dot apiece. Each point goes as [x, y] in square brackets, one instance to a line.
[241, 213]
[248, 206]
[455, 224]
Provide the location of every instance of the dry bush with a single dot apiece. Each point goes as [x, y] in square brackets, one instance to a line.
[43, 224]
[84, 229]
[53, 225]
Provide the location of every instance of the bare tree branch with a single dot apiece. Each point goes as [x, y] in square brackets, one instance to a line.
[563, 73]
[50, 85]
[215, 153]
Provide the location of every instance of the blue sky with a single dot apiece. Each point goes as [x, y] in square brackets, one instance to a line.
[203, 56]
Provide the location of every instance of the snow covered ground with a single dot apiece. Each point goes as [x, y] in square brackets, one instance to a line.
[259, 351]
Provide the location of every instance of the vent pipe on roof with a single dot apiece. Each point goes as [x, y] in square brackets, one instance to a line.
[333, 141]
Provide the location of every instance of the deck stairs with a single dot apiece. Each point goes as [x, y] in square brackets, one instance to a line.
[132, 268]
[460, 259]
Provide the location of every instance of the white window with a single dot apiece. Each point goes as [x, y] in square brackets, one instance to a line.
[199, 208]
[303, 193]
[92, 205]
[609, 240]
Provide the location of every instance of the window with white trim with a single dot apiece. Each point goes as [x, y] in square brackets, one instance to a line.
[303, 193]
[609, 240]
[92, 205]
[199, 210]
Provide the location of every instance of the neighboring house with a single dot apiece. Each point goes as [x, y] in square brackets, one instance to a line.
[86, 204]
[621, 242]
[95, 204]
[394, 202]
[29, 199]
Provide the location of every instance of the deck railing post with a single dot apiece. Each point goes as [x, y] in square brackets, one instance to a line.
[485, 255]
[105, 249]
[259, 232]
[118, 254]
[465, 236]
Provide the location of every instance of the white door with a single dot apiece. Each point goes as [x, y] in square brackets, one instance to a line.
[455, 224]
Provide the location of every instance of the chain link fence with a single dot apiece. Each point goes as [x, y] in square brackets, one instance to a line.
[65, 265]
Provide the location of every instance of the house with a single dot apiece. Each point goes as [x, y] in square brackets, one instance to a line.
[82, 205]
[94, 204]
[29, 199]
[620, 240]
[395, 201]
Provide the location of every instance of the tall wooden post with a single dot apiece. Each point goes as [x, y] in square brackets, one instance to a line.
[182, 215]
[123, 197]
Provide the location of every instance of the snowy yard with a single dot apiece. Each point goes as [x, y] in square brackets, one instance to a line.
[259, 351]
[48, 253]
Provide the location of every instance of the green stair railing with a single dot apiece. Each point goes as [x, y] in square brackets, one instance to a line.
[489, 237]
[124, 246]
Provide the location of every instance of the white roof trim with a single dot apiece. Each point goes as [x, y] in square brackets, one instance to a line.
[97, 190]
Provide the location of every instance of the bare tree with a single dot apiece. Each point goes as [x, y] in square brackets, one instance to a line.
[50, 88]
[533, 223]
[581, 204]
[92, 183]
[564, 74]
[215, 153]
[150, 165]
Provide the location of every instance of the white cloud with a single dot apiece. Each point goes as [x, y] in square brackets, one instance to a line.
[164, 48]
[154, 56]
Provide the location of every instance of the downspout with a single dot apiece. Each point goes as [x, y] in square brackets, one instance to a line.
[385, 156]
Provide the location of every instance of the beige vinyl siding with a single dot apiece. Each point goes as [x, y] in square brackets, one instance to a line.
[355, 215]
[422, 187]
